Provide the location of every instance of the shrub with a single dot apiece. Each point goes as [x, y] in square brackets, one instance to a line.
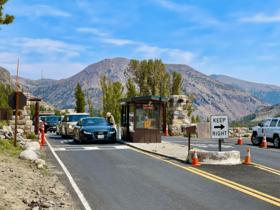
[246, 135]
[7, 146]
[32, 136]
[3, 122]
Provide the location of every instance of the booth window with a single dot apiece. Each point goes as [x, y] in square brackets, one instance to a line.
[147, 116]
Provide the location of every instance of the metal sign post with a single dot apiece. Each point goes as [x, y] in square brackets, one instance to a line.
[219, 128]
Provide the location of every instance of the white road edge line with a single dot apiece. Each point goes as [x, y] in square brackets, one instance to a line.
[74, 185]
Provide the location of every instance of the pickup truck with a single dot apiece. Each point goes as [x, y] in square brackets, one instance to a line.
[271, 128]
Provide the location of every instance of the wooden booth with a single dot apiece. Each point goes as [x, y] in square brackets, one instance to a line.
[143, 118]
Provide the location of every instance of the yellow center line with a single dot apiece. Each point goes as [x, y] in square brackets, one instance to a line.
[267, 170]
[271, 169]
[236, 186]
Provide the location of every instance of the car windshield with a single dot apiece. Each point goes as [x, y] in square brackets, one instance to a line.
[95, 122]
[76, 118]
[49, 119]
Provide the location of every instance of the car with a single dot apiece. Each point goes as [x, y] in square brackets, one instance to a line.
[50, 123]
[94, 129]
[68, 123]
[58, 125]
[271, 128]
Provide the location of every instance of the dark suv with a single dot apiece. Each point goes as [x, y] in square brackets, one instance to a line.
[50, 123]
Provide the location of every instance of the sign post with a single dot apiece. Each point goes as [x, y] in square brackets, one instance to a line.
[219, 128]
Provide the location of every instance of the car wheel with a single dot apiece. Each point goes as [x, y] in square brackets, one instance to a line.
[276, 142]
[57, 133]
[255, 140]
[62, 135]
[66, 136]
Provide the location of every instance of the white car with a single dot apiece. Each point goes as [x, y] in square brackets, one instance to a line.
[271, 128]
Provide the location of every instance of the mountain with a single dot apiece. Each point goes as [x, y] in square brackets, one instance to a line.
[27, 84]
[211, 96]
[6, 79]
[269, 93]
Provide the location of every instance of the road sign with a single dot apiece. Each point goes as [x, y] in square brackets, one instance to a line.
[12, 100]
[219, 127]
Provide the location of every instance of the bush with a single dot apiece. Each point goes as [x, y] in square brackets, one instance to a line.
[3, 122]
[32, 136]
[246, 135]
[7, 146]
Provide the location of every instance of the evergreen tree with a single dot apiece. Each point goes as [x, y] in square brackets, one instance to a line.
[197, 119]
[189, 106]
[5, 91]
[100, 109]
[66, 111]
[177, 82]
[208, 120]
[8, 19]
[192, 119]
[131, 90]
[80, 99]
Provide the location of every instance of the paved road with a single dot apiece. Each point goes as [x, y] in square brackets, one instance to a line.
[113, 176]
[268, 157]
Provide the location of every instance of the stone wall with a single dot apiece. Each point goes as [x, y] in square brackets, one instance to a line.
[177, 114]
[24, 124]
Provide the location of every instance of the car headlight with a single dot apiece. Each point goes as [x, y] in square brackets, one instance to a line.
[46, 123]
[71, 126]
[87, 132]
[112, 131]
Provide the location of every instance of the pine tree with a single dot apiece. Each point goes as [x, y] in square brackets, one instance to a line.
[197, 119]
[131, 90]
[192, 119]
[80, 99]
[99, 110]
[177, 82]
[8, 19]
[208, 120]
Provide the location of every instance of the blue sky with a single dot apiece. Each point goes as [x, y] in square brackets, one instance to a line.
[236, 38]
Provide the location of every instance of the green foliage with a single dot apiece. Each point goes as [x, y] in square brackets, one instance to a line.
[236, 124]
[8, 18]
[192, 119]
[32, 136]
[111, 92]
[246, 135]
[177, 82]
[189, 106]
[208, 120]
[3, 122]
[5, 91]
[245, 121]
[197, 119]
[91, 111]
[57, 112]
[99, 112]
[7, 146]
[66, 111]
[80, 99]
[131, 90]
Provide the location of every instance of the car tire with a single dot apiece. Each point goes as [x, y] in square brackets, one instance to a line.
[276, 142]
[255, 140]
[62, 135]
[57, 133]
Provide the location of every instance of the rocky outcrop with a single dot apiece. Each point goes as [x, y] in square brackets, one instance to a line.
[6, 78]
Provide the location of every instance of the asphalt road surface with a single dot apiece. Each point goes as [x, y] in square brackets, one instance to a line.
[114, 176]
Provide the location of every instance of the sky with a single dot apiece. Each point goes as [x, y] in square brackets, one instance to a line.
[236, 38]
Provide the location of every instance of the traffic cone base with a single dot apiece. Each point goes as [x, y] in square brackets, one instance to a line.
[166, 131]
[264, 144]
[195, 159]
[239, 142]
[247, 159]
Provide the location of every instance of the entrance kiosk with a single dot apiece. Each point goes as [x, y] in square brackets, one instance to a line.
[143, 118]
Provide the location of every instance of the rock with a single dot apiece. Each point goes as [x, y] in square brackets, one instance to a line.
[20, 131]
[19, 122]
[6, 128]
[177, 121]
[40, 161]
[35, 208]
[174, 133]
[28, 155]
[29, 122]
[40, 166]
[49, 208]
[27, 117]
[34, 144]
[2, 137]
[46, 205]
[185, 112]
[186, 121]
[37, 153]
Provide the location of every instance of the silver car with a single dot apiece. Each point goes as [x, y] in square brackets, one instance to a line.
[59, 125]
[68, 123]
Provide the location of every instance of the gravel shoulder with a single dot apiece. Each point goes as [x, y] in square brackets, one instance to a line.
[24, 186]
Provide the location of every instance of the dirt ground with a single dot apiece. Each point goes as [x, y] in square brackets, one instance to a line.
[23, 186]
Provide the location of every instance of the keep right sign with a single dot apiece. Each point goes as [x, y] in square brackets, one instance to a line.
[219, 127]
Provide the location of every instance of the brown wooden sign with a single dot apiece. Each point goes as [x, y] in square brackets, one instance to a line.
[147, 106]
[21, 102]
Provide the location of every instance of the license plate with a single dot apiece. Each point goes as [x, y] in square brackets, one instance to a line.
[54, 127]
[100, 136]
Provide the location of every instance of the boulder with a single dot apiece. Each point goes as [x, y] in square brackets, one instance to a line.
[19, 122]
[6, 128]
[174, 133]
[20, 131]
[40, 161]
[40, 166]
[29, 122]
[2, 137]
[176, 121]
[28, 155]
[186, 121]
[33, 144]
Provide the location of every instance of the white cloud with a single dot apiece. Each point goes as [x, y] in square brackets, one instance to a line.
[260, 17]
[6, 57]
[38, 10]
[47, 46]
[119, 41]
[173, 6]
[93, 31]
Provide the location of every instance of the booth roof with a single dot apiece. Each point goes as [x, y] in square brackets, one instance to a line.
[150, 97]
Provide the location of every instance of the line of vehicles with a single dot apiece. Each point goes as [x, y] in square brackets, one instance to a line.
[81, 127]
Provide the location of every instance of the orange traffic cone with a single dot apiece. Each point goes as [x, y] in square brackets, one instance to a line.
[166, 131]
[195, 159]
[247, 158]
[239, 142]
[264, 145]
[39, 140]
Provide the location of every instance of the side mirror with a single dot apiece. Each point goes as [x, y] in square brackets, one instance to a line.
[78, 124]
[111, 123]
